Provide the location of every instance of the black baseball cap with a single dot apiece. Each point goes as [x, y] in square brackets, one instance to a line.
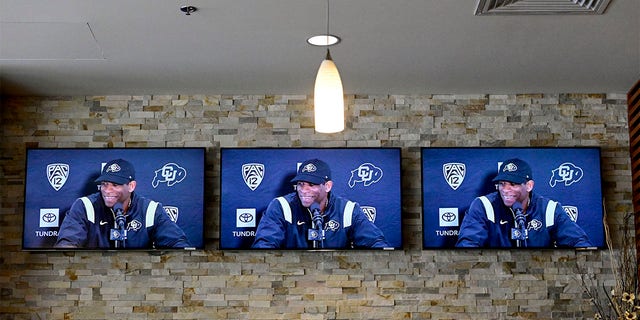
[514, 170]
[118, 171]
[315, 171]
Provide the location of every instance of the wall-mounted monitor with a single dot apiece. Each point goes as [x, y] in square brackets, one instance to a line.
[260, 201]
[160, 191]
[482, 197]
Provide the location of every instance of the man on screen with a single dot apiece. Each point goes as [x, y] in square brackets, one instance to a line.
[515, 216]
[313, 217]
[92, 220]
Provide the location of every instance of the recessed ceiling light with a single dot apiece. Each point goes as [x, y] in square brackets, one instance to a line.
[323, 40]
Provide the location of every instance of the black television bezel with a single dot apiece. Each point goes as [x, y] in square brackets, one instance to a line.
[400, 190]
[541, 148]
[115, 149]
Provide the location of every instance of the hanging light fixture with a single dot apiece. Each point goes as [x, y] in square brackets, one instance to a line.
[328, 97]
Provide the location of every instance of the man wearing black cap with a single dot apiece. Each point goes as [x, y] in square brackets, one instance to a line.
[90, 220]
[515, 216]
[288, 219]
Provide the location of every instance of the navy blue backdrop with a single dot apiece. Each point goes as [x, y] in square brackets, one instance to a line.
[57, 177]
[453, 177]
[252, 177]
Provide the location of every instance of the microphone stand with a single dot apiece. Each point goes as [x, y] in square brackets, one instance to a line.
[316, 234]
[119, 234]
[519, 233]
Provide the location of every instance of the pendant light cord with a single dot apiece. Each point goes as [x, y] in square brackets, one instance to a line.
[327, 24]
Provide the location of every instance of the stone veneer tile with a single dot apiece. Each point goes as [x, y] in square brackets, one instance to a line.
[208, 284]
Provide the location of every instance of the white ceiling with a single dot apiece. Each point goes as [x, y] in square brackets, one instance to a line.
[111, 47]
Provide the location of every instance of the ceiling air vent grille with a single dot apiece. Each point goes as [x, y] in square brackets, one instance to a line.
[522, 7]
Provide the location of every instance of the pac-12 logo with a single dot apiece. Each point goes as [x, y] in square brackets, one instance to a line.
[572, 211]
[172, 212]
[252, 174]
[454, 173]
[57, 174]
[367, 173]
[370, 212]
[567, 173]
[170, 174]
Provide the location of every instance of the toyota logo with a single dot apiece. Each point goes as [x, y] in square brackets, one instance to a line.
[245, 217]
[448, 216]
[49, 217]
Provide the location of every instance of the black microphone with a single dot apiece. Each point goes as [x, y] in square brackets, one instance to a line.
[119, 234]
[519, 233]
[317, 233]
[520, 218]
[120, 219]
[316, 216]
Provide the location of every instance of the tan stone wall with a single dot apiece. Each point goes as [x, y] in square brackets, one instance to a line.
[214, 284]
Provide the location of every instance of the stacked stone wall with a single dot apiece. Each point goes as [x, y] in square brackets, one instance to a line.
[213, 284]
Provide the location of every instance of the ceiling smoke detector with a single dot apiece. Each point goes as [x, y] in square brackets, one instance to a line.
[524, 7]
[188, 10]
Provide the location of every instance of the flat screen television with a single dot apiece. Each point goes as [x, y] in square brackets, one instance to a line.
[454, 177]
[57, 177]
[252, 177]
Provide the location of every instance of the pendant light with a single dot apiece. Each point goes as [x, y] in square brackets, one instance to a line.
[328, 97]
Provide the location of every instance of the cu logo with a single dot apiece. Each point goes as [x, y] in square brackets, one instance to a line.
[170, 174]
[567, 173]
[367, 173]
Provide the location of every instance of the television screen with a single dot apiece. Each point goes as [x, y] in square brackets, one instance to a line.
[261, 207]
[499, 197]
[145, 199]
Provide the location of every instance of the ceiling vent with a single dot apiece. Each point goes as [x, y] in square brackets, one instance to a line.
[523, 7]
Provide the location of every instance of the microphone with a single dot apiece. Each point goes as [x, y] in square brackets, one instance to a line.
[119, 234]
[519, 233]
[316, 234]
[316, 216]
[120, 219]
[520, 218]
